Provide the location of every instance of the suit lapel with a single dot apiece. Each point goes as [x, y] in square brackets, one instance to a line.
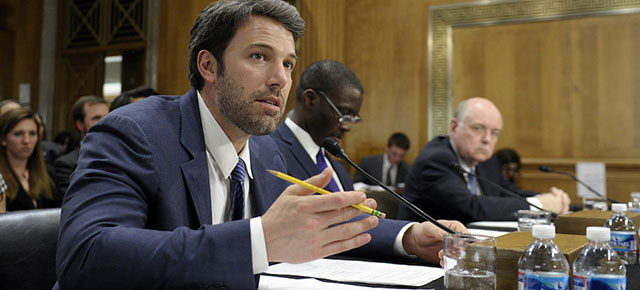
[342, 173]
[480, 171]
[195, 171]
[377, 167]
[264, 187]
[298, 151]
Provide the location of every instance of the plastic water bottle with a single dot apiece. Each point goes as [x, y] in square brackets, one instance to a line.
[634, 204]
[623, 234]
[542, 265]
[597, 265]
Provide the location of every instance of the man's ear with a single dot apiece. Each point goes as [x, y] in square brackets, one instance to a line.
[454, 124]
[207, 66]
[79, 125]
[309, 99]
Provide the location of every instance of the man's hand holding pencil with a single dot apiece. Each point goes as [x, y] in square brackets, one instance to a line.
[301, 226]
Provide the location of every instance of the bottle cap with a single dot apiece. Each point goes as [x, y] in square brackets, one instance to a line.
[543, 232]
[620, 207]
[598, 234]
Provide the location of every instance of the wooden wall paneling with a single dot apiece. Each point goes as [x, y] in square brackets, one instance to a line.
[77, 76]
[623, 177]
[176, 19]
[323, 37]
[579, 102]
[386, 47]
[6, 70]
[25, 21]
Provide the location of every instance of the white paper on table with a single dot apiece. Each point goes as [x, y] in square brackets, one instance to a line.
[490, 233]
[361, 186]
[594, 174]
[282, 283]
[494, 225]
[360, 271]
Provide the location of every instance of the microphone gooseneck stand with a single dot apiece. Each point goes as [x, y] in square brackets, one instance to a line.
[334, 148]
[548, 169]
[456, 166]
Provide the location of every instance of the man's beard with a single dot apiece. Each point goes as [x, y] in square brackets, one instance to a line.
[235, 108]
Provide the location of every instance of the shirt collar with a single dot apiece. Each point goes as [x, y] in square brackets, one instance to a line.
[304, 138]
[219, 145]
[385, 161]
[463, 164]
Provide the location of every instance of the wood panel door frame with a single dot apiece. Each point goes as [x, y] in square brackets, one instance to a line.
[443, 18]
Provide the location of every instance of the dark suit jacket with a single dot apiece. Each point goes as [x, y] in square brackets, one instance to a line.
[137, 214]
[300, 165]
[442, 192]
[373, 165]
[63, 167]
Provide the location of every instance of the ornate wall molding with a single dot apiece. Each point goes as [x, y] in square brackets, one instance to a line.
[443, 18]
[101, 23]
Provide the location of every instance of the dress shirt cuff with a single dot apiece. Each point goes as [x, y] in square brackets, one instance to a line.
[258, 246]
[398, 249]
[534, 200]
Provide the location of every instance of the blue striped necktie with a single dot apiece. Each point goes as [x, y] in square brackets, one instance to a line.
[237, 191]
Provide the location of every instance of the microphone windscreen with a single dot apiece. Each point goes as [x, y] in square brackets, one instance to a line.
[332, 146]
[545, 168]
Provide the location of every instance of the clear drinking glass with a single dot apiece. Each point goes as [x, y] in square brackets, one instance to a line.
[528, 218]
[469, 261]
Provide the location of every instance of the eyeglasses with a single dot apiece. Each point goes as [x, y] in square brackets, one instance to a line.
[344, 119]
[481, 130]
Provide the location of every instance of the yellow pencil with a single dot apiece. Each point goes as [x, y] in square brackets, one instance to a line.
[323, 191]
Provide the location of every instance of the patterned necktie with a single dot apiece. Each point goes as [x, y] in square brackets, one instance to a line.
[473, 182]
[237, 191]
[322, 164]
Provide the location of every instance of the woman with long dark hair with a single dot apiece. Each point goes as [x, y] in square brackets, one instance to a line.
[22, 163]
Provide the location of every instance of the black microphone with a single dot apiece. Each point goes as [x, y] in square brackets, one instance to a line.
[332, 146]
[457, 167]
[550, 170]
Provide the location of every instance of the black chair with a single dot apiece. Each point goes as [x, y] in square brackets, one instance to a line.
[28, 241]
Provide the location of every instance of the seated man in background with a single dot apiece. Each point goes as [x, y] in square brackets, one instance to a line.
[509, 162]
[439, 189]
[388, 167]
[132, 96]
[173, 192]
[86, 111]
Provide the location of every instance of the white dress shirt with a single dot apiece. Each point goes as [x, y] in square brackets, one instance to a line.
[221, 160]
[311, 147]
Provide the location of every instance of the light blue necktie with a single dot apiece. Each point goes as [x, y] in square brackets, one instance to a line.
[473, 182]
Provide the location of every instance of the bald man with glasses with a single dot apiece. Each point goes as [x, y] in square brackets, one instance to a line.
[443, 192]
